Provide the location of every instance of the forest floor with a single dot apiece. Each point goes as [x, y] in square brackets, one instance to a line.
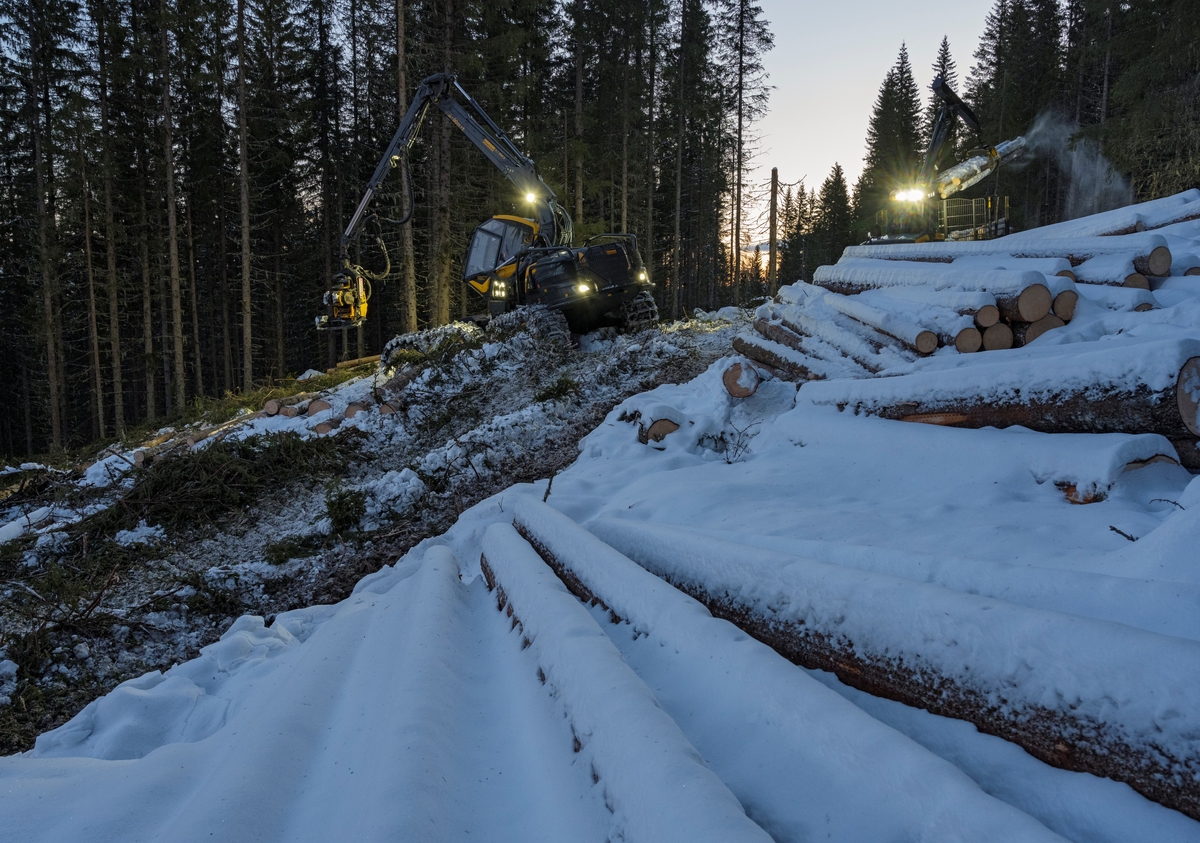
[122, 571]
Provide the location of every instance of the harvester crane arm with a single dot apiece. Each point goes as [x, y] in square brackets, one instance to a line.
[348, 295]
[487, 137]
[952, 108]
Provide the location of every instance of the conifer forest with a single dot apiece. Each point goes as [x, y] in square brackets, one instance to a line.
[175, 174]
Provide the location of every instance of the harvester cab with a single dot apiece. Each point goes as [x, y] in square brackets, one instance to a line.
[511, 261]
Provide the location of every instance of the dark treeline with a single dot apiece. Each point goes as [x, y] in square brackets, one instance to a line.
[1083, 80]
[175, 175]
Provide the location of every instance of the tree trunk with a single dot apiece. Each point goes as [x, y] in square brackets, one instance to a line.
[244, 182]
[172, 226]
[739, 154]
[93, 327]
[45, 236]
[147, 298]
[625, 143]
[652, 57]
[579, 112]
[441, 302]
[408, 268]
[772, 282]
[676, 252]
[197, 354]
[110, 237]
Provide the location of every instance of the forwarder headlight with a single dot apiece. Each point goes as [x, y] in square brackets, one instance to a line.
[914, 195]
[529, 197]
[642, 275]
[583, 288]
[499, 289]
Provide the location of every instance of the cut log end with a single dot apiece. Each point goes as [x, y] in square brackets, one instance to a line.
[1160, 261]
[968, 341]
[987, 316]
[659, 430]
[1064, 305]
[1195, 270]
[317, 405]
[741, 381]
[386, 409]
[1137, 281]
[998, 337]
[1025, 334]
[1143, 307]
[1187, 393]
[289, 412]
[354, 408]
[1066, 273]
[272, 407]
[926, 342]
[325, 427]
[1034, 302]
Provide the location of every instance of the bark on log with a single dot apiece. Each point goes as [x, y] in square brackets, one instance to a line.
[1026, 332]
[862, 344]
[1189, 454]
[361, 361]
[968, 341]
[998, 337]
[317, 405]
[768, 357]
[1143, 388]
[1064, 305]
[733, 380]
[798, 339]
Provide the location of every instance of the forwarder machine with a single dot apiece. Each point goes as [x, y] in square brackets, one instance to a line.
[914, 217]
[512, 262]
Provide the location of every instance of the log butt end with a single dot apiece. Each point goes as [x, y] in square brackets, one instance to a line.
[1137, 281]
[926, 342]
[1064, 305]
[968, 341]
[1034, 302]
[741, 381]
[998, 337]
[1187, 395]
[987, 316]
[1160, 261]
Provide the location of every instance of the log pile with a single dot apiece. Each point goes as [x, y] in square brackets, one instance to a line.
[865, 325]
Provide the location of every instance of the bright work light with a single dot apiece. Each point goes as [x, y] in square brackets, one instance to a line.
[529, 197]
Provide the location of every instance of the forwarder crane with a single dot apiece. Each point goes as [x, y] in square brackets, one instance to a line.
[512, 261]
[914, 219]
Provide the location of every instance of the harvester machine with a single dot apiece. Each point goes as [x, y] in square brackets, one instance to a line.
[512, 261]
[914, 215]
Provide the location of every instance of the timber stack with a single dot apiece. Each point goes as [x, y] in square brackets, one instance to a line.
[886, 327]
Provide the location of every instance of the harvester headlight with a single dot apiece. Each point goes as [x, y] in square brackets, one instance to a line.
[583, 288]
[499, 289]
[913, 195]
[529, 197]
[642, 275]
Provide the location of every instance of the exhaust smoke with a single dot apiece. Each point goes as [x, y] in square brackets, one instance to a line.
[1093, 185]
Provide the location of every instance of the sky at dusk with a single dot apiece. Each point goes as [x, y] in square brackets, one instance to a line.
[830, 58]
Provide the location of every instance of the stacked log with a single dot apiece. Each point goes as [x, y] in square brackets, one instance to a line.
[1131, 388]
[1149, 252]
[275, 406]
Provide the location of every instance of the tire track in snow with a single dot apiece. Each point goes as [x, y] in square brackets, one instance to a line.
[404, 716]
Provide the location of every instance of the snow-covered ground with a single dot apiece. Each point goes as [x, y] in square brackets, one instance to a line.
[427, 706]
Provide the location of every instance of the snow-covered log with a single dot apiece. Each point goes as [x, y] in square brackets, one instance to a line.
[1077, 693]
[1111, 270]
[1122, 299]
[861, 343]
[1151, 387]
[1143, 216]
[1151, 256]
[814, 750]
[1021, 296]
[656, 784]
[976, 303]
[785, 363]
[916, 337]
